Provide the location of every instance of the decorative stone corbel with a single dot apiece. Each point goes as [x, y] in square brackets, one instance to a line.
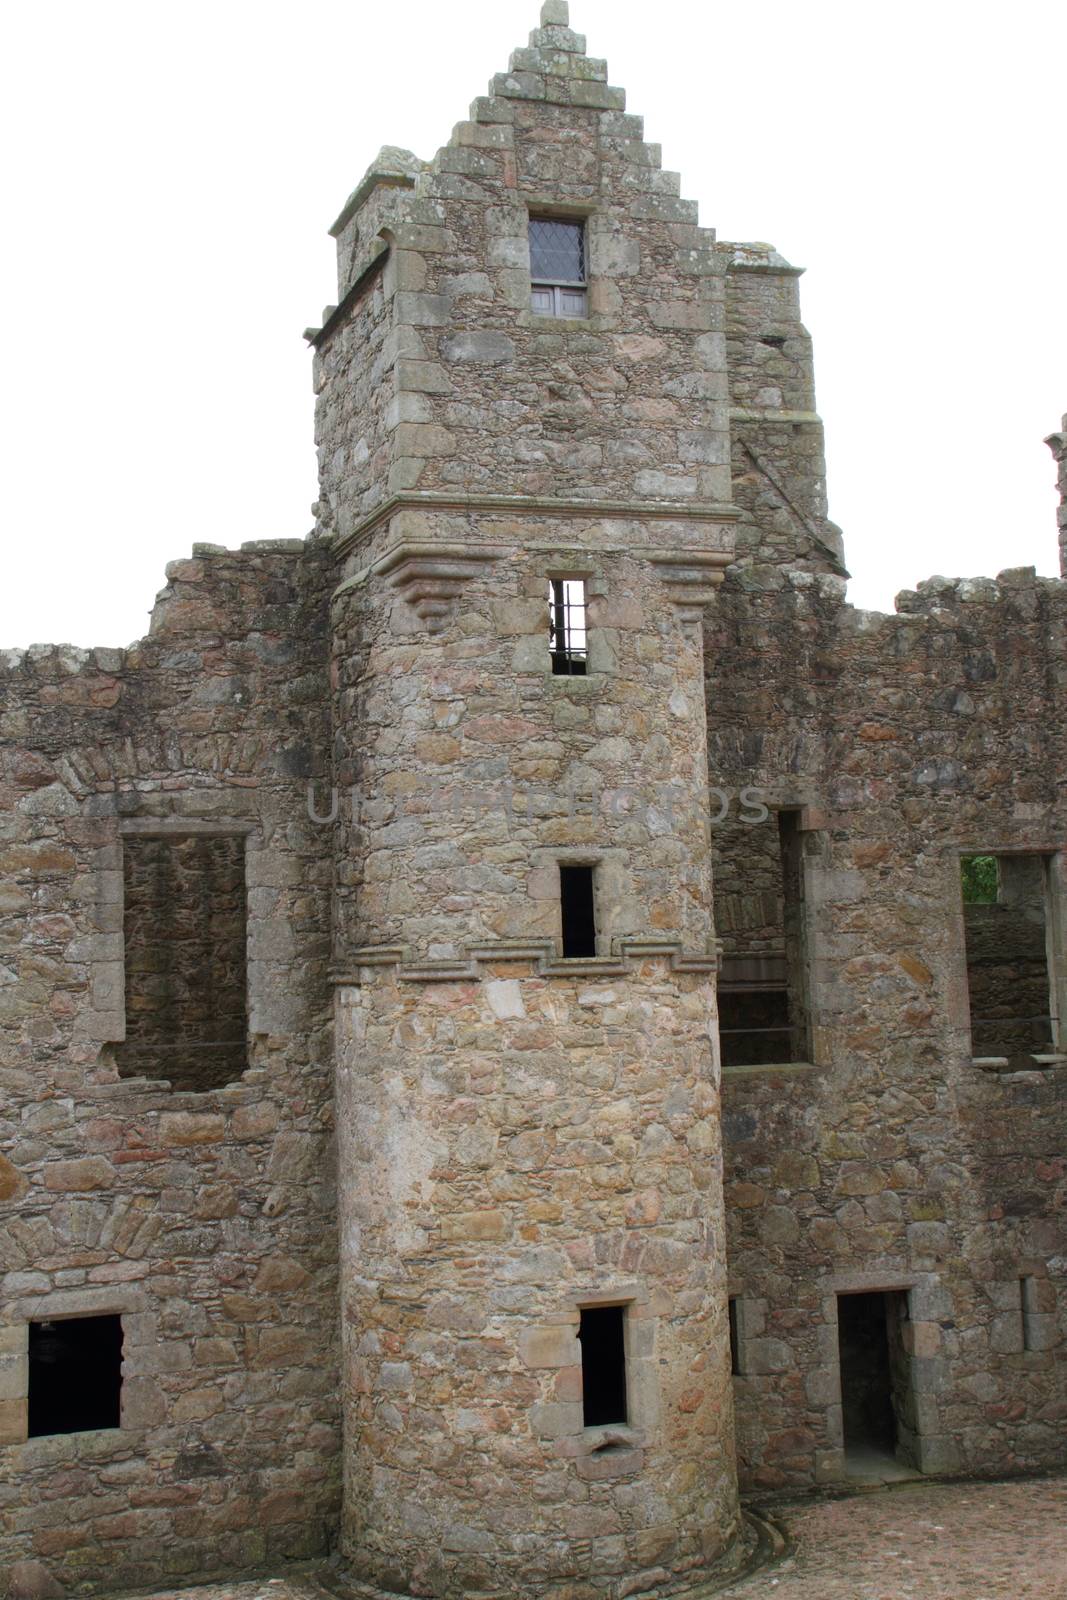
[692, 577]
[431, 576]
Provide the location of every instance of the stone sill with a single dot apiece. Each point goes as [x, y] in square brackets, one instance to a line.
[1005, 1066]
[788, 1067]
[60, 1449]
[539, 324]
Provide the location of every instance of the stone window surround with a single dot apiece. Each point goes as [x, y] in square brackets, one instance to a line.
[1055, 934]
[1025, 1325]
[560, 211]
[610, 1450]
[600, 659]
[925, 1303]
[139, 1334]
[611, 880]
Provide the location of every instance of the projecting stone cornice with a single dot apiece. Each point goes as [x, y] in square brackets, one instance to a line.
[522, 505]
[541, 953]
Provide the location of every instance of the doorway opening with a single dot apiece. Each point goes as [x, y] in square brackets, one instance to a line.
[875, 1389]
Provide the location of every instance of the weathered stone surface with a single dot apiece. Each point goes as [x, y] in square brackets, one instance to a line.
[211, 979]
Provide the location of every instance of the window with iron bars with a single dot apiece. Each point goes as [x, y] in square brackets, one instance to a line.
[557, 267]
[566, 626]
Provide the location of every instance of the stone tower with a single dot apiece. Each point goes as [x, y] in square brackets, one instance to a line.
[523, 401]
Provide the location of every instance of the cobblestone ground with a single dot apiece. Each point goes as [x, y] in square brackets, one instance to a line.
[921, 1541]
[915, 1541]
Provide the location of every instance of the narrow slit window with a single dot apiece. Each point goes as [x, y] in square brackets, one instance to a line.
[735, 1339]
[75, 1375]
[1028, 1311]
[567, 634]
[602, 1332]
[557, 267]
[1009, 971]
[577, 910]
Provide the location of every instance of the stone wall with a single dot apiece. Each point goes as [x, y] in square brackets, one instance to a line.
[205, 1219]
[891, 1161]
[521, 1136]
[779, 470]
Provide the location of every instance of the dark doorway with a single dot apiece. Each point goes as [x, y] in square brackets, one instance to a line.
[866, 1375]
[75, 1375]
[577, 910]
[603, 1339]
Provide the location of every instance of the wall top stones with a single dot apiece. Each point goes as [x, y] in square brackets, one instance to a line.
[1057, 443]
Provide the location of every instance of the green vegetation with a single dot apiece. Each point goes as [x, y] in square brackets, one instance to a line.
[980, 879]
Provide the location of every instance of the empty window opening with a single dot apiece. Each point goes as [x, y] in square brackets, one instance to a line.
[577, 910]
[1028, 1310]
[602, 1332]
[557, 267]
[184, 923]
[735, 1339]
[1009, 981]
[776, 341]
[760, 916]
[878, 1413]
[75, 1375]
[567, 638]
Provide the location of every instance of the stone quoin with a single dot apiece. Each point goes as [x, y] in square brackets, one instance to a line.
[524, 1015]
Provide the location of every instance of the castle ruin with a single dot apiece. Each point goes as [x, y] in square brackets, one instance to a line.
[525, 1016]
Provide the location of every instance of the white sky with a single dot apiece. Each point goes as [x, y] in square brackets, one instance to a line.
[172, 170]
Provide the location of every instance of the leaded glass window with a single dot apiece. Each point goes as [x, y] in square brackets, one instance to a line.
[557, 267]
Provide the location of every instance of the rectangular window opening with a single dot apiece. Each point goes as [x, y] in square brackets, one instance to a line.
[735, 1339]
[577, 910]
[567, 634]
[185, 931]
[602, 1332]
[1009, 965]
[75, 1375]
[558, 285]
[761, 917]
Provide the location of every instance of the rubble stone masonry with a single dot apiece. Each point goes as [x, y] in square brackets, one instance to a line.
[296, 1078]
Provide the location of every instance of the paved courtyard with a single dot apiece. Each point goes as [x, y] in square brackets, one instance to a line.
[916, 1541]
[920, 1541]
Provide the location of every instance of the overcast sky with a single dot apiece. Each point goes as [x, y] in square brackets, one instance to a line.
[172, 170]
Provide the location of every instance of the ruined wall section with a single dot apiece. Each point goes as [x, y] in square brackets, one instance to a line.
[1057, 443]
[891, 1161]
[779, 466]
[206, 1220]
